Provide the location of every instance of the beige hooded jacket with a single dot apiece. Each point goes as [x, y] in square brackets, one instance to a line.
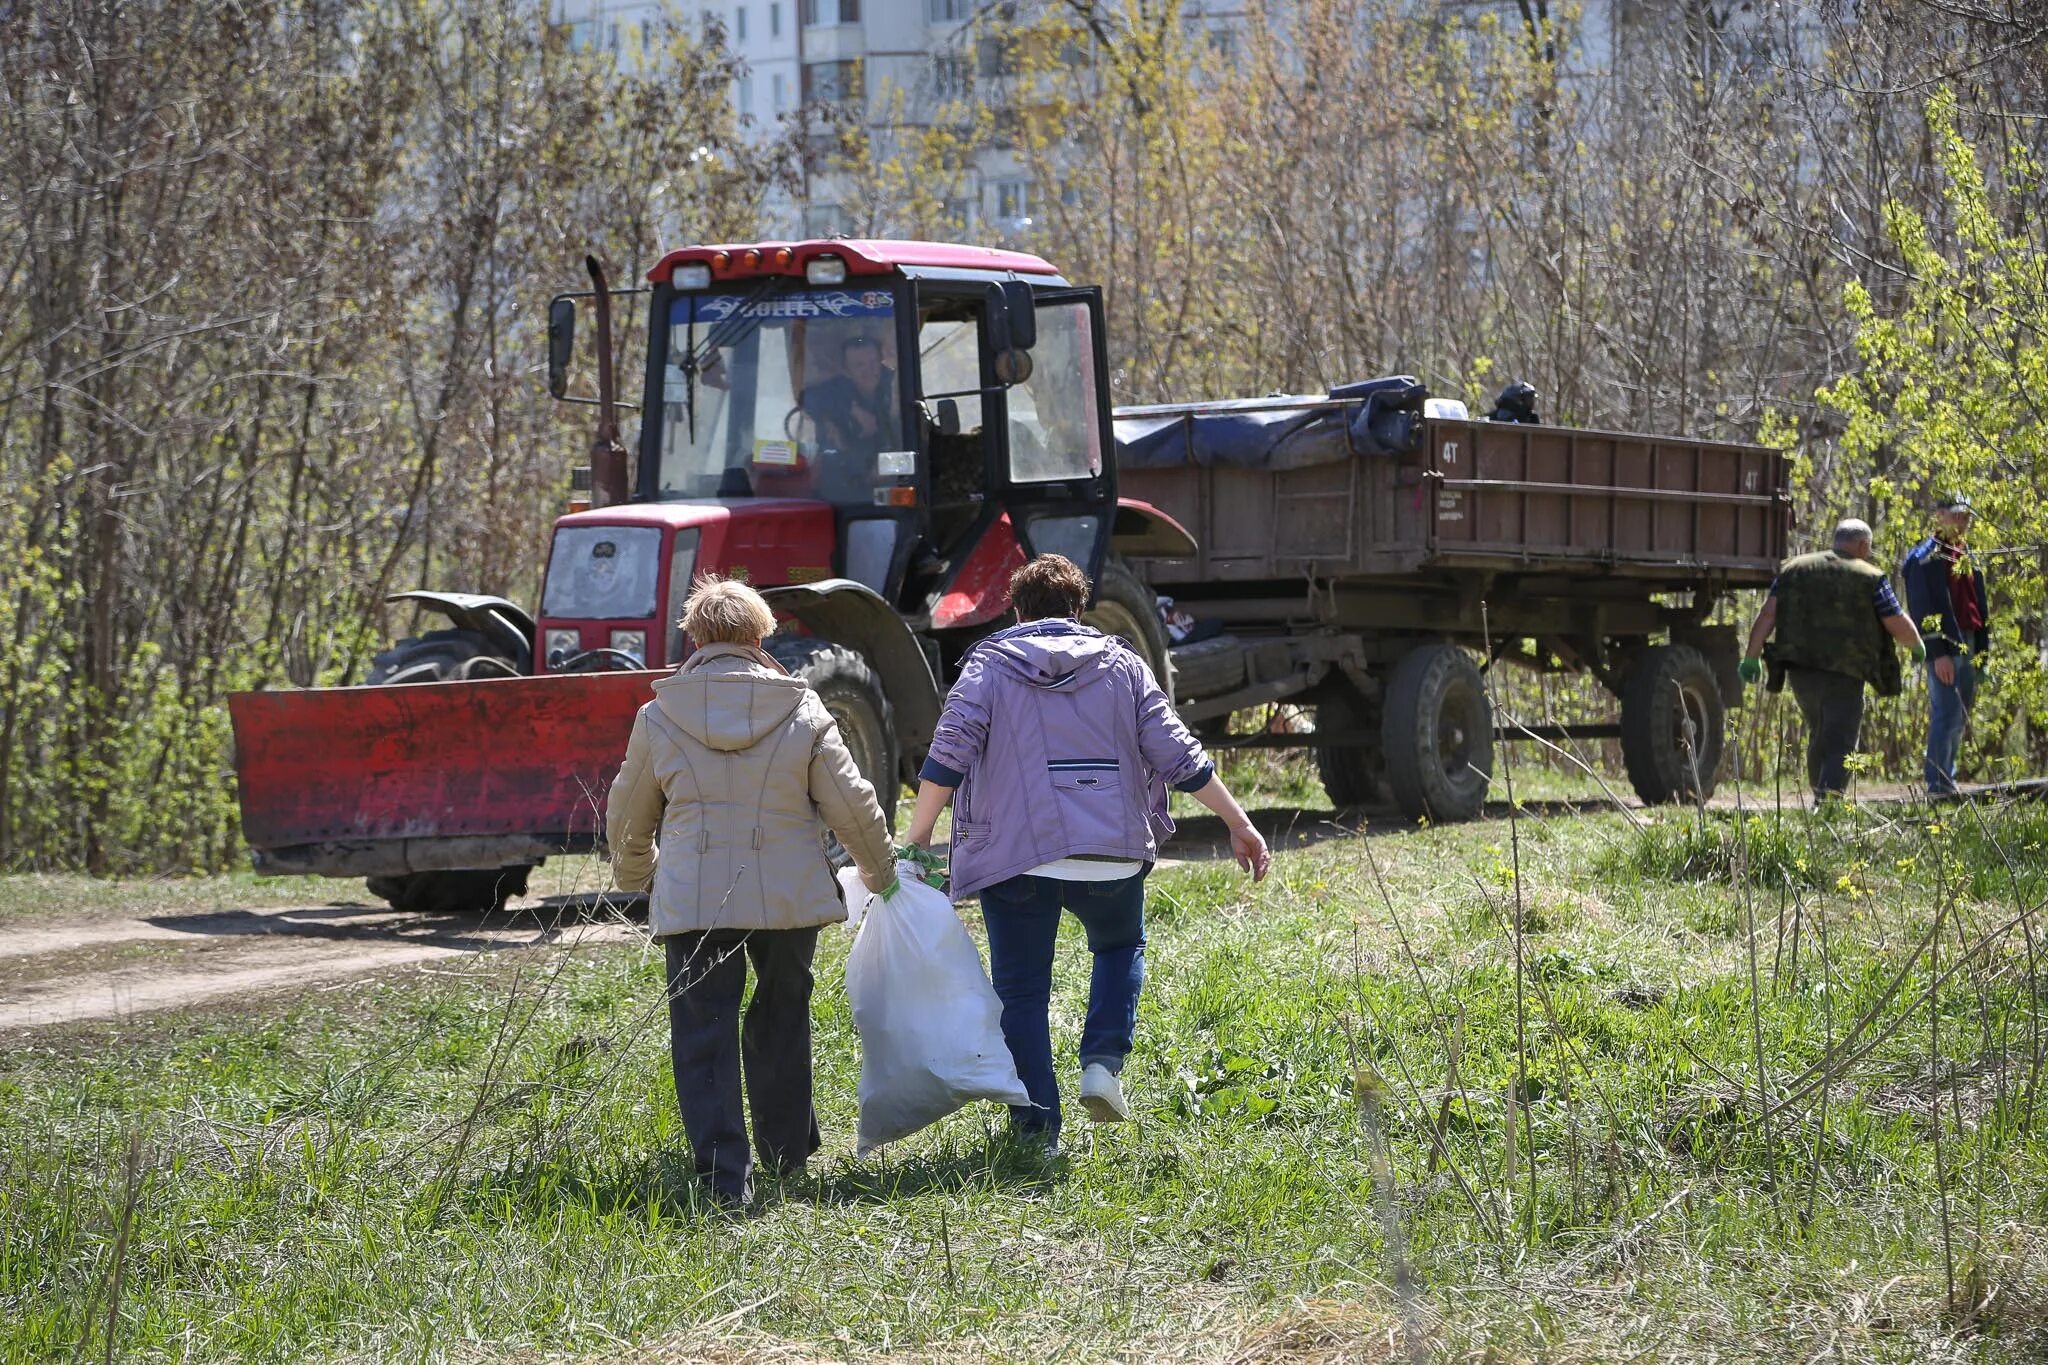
[735, 762]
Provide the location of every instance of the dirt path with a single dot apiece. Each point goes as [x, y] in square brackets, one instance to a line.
[119, 968]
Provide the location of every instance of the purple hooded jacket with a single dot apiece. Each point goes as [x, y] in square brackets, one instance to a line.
[1061, 744]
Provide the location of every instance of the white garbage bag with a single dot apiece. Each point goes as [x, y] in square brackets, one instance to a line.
[931, 1037]
[855, 893]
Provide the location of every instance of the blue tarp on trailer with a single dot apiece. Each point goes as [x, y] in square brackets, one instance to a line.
[1374, 417]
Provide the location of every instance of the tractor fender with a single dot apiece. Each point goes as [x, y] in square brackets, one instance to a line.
[503, 623]
[853, 614]
[1142, 531]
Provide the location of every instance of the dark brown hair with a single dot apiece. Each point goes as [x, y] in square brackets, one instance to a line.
[1050, 585]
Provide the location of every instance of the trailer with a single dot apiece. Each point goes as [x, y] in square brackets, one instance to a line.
[1367, 560]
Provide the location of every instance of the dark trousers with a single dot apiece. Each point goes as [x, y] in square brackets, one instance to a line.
[1833, 706]
[1023, 919]
[711, 1048]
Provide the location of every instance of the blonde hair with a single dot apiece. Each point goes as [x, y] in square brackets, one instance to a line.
[725, 611]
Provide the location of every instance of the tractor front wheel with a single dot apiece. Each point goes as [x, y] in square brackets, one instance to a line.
[446, 656]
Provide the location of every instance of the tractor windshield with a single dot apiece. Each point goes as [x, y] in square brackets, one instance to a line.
[783, 391]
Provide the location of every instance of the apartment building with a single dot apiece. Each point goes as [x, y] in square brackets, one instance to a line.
[890, 64]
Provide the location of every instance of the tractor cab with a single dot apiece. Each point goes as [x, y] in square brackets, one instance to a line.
[914, 418]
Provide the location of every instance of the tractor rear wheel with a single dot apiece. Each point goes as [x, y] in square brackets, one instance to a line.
[853, 694]
[1127, 609]
[446, 656]
[1351, 773]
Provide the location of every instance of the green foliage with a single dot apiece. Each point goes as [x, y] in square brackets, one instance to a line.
[1947, 398]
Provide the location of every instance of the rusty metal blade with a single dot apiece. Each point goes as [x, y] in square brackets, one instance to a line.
[502, 756]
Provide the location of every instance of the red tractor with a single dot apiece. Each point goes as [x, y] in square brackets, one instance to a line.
[873, 433]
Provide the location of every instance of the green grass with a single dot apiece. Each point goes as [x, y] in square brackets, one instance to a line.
[488, 1163]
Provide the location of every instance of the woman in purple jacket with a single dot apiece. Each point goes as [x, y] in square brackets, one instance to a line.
[1060, 746]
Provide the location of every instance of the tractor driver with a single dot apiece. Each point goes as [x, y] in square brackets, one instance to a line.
[856, 412]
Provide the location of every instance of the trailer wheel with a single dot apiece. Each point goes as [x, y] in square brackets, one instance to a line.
[444, 656]
[470, 891]
[1351, 773]
[1672, 723]
[854, 696]
[1127, 609]
[1437, 732]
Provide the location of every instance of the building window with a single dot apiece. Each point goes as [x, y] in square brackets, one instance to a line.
[807, 13]
[739, 23]
[743, 97]
[995, 57]
[1013, 199]
[583, 34]
[611, 41]
[779, 88]
[953, 75]
[946, 11]
[823, 220]
[774, 21]
[961, 212]
[849, 11]
[832, 83]
[646, 39]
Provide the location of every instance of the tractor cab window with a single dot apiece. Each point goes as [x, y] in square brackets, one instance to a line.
[783, 391]
[1052, 426]
[949, 371]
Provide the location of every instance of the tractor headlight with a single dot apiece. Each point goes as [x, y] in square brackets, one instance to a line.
[691, 275]
[562, 643]
[825, 270]
[633, 642]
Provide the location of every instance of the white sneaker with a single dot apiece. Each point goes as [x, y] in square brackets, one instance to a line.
[1102, 1095]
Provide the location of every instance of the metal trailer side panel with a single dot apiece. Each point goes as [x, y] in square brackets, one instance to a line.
[1637, 506]
[1486, 497]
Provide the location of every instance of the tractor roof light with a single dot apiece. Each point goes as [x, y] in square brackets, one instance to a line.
[692, 275]
[825, 270]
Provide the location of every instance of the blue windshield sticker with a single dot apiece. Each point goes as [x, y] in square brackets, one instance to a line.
[829, 303]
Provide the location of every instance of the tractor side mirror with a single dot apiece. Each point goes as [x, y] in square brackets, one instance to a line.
[1012, 329]
[1022, 312]
[561, 344]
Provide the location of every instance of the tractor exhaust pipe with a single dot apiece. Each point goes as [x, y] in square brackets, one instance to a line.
[608, 484]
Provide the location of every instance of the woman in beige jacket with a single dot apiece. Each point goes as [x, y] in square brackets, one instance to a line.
[732, 766]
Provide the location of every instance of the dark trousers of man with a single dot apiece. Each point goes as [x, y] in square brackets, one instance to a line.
[711, 1049]
[1833, 706]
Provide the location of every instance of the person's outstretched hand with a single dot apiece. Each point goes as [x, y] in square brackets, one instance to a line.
[1248, 846]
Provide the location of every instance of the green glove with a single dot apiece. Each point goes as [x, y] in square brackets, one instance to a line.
[1750, 669]
[1919, 651]
[931, 867]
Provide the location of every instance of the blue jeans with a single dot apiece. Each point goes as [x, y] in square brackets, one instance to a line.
[1023, 919]
[1948, 706]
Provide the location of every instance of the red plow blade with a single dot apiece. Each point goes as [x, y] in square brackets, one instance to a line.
[354, 781]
